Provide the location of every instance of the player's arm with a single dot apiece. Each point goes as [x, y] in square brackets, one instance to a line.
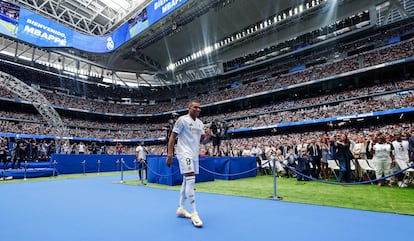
[171, 142]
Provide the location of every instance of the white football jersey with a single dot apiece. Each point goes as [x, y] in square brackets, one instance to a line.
[189, 133]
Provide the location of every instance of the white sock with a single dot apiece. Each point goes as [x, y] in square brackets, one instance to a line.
[190, 194]
[182, 194]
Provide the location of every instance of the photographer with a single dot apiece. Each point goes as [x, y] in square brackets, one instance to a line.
[3, 152]
[226, 136]
[168, 128]
[19, 154]
[216, 134]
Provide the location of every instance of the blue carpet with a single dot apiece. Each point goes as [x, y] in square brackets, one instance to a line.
[101, 209]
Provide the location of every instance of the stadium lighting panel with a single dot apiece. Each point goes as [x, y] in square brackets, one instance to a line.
[118, 4]
[295, 10]
[7, 53]
[24, 58]
[171, 67]
[208, 50]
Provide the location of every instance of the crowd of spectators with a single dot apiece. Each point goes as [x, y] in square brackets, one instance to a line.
[321, 100]
[232, 146]
[274, 77]
[97, 98]
[266, 82]
[93, 95]
[357, 101]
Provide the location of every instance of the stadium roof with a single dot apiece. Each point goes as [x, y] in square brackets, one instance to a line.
[190, 29]
[95, 17]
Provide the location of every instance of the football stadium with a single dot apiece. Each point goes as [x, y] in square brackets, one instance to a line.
[206, 120]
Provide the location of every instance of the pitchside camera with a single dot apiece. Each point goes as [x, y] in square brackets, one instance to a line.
[174, 116]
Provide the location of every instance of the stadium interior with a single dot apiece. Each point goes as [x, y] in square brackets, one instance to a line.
[271, 71]
[307, 106]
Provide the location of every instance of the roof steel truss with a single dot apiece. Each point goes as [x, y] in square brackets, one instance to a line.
[93, 17]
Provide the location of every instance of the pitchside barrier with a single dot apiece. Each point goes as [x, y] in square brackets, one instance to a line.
[226, 168]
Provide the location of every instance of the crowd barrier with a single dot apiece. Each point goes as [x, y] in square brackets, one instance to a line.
[211, 168]
[83, 163]
[226, 168]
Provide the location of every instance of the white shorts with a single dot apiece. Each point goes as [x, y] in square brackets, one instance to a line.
[188, 165]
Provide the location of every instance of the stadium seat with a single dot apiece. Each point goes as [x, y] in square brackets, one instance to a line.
[264, 166]
[371, 163]
[367, 170]
[334, 167]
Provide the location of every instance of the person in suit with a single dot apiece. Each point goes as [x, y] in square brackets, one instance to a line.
[3, 152]
[315, 151]
[20, 154]
[344, 156]
[411, 146]
[303, 166]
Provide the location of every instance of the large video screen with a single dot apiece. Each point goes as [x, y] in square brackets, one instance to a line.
[155, 11]
[9, 17]
[30, 27]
